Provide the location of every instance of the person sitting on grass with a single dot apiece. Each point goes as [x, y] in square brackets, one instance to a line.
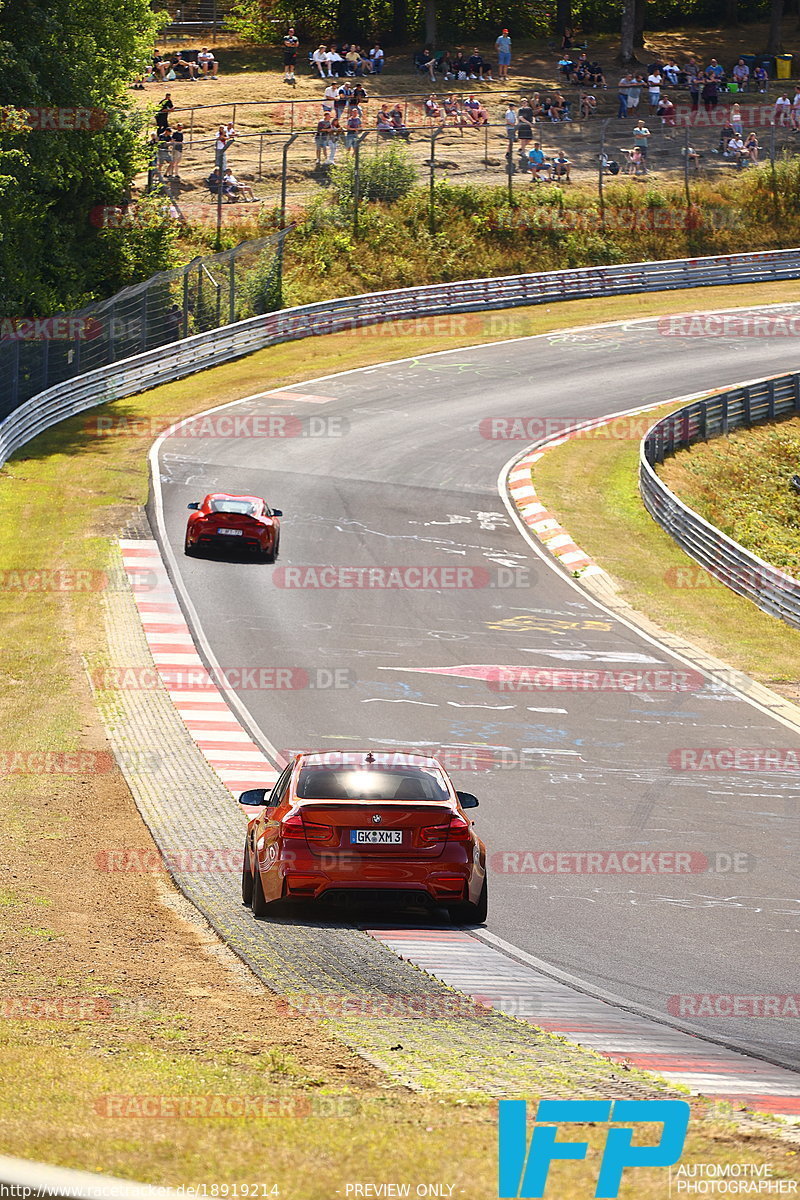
[666, 111]
[207, 63]
[183, 68]
[588, 105]
[319, 62]
[433, 112]
[452, 112]
[561, 166]
[478, 68]
[752, 148]
[427, 62]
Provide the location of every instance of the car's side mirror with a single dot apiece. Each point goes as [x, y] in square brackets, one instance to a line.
[277, 512]
[467, 800]
[194, 504]
[255, 797]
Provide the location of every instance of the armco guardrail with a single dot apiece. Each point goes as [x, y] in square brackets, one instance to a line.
[181, 358]
[772, 590]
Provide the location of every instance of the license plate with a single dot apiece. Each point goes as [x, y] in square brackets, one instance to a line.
[376, 837]
[230, 532]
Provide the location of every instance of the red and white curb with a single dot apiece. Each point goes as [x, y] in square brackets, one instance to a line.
[492, 978]
[217, 733]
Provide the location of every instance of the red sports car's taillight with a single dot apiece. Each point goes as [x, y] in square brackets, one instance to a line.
[319, 833]
[456, 830]
[292, 824]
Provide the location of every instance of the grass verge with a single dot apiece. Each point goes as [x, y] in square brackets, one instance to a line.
[608, 520]
[740, 483]
[69, 932]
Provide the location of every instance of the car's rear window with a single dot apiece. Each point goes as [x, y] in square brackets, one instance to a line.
[245, 508]
[371, 783]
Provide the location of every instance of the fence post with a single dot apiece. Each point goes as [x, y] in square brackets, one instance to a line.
[232, 287]
[191, 129]
[186, 270]
[357, 181]
[260, 154]
[110, 340]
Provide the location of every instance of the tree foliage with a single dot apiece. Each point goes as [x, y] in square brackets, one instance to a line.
[67, 55]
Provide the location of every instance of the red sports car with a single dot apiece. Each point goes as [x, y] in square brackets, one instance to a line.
[242, 522]
[364, 827]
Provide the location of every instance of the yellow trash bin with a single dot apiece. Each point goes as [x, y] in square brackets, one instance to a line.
[783, 66]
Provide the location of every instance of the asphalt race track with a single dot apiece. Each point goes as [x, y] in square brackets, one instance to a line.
[404, 478]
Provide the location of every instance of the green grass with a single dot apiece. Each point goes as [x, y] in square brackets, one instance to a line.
[608, 520]
[740, 483]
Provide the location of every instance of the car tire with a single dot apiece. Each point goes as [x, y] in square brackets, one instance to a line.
[471, 914]
[270, 555]
[247, 878]
[261, 909]
[188, 550]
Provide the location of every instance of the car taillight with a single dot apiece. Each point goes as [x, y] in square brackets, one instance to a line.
[319, 833]
[292, 824]
[457, 830]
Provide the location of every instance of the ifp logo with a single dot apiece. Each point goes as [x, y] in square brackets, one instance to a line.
[524, 1169]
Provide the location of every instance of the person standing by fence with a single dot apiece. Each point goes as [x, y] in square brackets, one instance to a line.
[290, 45]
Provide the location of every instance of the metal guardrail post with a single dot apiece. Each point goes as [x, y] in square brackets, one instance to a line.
[724, 420]
[747, 407]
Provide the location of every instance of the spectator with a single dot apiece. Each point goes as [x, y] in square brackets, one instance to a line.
[795, 112]
[625, 83]
[377, 56]
[214, 181]
[503, 47]
[472, 111]
[290, 46]
[634, 93]
[160, 66]
[177, 150]
[741, 75]
[164, 147]
[715, 71]
[184, 69]
[336, 64]
[345, 97]
[692, 155]
[319, 62]
[329, 97]
[322, 138]
[710, 93]
[352, 61]
[336, 135]
[736, 151]
[566, 40]
[694, 91]
[671, 73]
[452, 111]
[783, 108]
[352, 128]
[385, 123]
[566, 66]
[641, 137]
[164, 109]
[511, 121]
[220, 148]
[637, 162]
[596, 76]
[561, 166]
[654, 81]
[233, 187]
[736, 120]
[433, 112]
[760, 78]
[360, 95]
[537, 162]
[752, 148]
[588, 104]
[398, 123]
[207, 63]
[427, 62]
[458, 65]
[666, 111]
[477, 67]
[525, 119]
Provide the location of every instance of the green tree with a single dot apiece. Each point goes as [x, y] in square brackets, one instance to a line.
[67, 55]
